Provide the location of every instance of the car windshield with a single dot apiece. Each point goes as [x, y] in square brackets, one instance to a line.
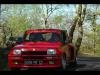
[44, 37]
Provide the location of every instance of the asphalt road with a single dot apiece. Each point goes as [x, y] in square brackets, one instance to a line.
[88, 64]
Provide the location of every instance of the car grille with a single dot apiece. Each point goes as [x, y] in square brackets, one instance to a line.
[34, 53]
[33, 57]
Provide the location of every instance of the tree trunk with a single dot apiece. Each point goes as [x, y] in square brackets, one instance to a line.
[72, 29]
[79, 39]
[81, 15]
[94, 30]
[49, 12]
[4, 35]
[46, 21]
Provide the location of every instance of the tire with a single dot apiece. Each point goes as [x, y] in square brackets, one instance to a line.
[64, 64]
[73, 64]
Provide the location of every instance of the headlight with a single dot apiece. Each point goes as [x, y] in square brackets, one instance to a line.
[17, 51]
[51, 51]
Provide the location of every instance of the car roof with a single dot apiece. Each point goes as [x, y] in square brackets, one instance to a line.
[43, 30]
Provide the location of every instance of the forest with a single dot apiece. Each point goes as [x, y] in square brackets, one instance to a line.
[82, 22]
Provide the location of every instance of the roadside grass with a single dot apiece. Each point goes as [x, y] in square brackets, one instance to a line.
[97, 53]
[89, 53]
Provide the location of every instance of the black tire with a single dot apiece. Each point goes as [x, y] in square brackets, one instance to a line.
[64, 64]
[73, 64]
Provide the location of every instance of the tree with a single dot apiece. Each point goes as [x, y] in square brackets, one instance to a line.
[81, 15]
[78, 21]
[92, 17]
[13, 23]
[72, 29]
[4, 29]
[93, 25]
[49, 11]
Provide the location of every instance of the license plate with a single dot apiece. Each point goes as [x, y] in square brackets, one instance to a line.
[33, 62]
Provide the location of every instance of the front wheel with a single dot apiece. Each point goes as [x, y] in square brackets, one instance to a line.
[73, 64]
[64, 64]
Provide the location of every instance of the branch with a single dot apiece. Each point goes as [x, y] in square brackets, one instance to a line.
[52, 11]
[84, 12]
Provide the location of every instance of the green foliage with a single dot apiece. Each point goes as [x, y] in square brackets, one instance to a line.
[18, 24]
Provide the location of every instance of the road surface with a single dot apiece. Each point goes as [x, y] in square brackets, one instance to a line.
[88, 64]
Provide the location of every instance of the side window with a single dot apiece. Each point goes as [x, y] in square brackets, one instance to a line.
[27, 37]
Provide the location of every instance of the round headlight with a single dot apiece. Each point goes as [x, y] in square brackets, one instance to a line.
[51, 51]
[17, 51]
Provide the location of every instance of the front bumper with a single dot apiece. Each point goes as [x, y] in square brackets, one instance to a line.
[57, 61]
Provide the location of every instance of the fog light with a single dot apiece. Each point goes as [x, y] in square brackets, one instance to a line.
[51, 62]
[15, 62]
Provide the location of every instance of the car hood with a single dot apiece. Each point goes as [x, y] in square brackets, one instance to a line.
[39, 45]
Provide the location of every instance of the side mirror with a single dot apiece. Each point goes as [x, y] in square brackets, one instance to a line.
[19, 40]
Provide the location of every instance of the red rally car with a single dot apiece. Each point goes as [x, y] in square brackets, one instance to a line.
[43, 48]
